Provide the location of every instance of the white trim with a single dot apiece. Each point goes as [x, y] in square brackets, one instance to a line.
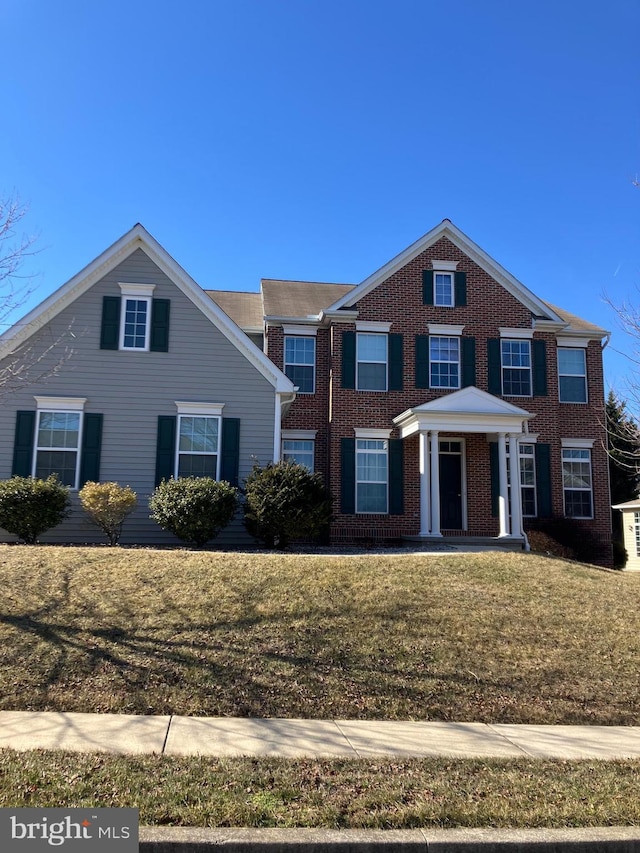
[178, 452]
[205, 409]
[123, 321]
[285, 362]
[578, 443]
[571, 343]
[432, 361]
[61, 404]
[445, 329]
[372, 326]
[69, 408]
[452, 285]
[516, 333]
[132, 289]
[299, 434]
[444, 266]
[381, 452]
[368, 361]
[310, 441]
[373, 434]
[462, 441]
[277, 430]
[307, 331]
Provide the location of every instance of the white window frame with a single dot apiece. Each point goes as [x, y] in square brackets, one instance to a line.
[300, 364]
[432, 361]
[573, 375]
[360, 361]
[139, 293]
[452, 284]
[529, 369]
[636, 531]
[59, 405]
[584, 446]
[292, 455]
[522, 456]
[198, 410]
[366, 436]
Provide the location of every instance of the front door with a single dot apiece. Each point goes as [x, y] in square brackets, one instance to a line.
[451, 485]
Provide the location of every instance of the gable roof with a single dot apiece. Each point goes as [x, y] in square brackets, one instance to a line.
[139, 238]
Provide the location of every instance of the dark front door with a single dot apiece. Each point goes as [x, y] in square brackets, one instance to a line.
[451, 489]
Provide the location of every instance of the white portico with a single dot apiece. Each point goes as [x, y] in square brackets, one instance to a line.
[469, 410]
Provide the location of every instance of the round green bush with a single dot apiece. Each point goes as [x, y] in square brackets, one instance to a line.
[195, 509]
[29, 506]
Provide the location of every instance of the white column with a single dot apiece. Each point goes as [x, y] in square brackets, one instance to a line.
[503, 494]
[514, 472]
[435, 484]
[425, 521]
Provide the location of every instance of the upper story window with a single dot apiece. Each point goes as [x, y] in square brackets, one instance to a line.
[135, 316]
[444, 285]
[371, 358]
[135, 321]
[572, 375]
[300, 362]
[198, 445]
[58, 437]
[443, 291]
[444, 362]
[516, 367]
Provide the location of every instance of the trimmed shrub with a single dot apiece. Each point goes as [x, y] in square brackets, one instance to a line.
[195, 509]
[108, 505]
[284, 501]
[29, 506]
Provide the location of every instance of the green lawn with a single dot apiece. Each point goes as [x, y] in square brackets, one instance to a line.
[494, 638]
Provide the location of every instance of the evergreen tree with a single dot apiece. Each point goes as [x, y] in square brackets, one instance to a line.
[624, 451]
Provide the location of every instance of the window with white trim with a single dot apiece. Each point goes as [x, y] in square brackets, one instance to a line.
[528, 479]
[372, 475]
[572, 375]
[636, 528]
[444, 362]
[300, 450]
[300, 362]
[371, 356]
[58, 439]
[135, 316]
[198, 453]
[516, 367]
[443, 289]
[577, 482]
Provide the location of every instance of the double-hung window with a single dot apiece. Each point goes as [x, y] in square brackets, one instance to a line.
[528, 479]
[572, 375]
[300, 362]
[58, 439]
[135, 316]
[443, 289]
[577, 482]
[516, 367]
[372, 475]
[372, 349]
[444, 362]
[298, 450]
[198, 445]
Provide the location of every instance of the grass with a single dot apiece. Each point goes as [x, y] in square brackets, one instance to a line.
[375, 794]
[491, 638]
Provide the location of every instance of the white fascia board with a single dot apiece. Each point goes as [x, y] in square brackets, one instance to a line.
[470, 422]
[276, 320]
[331, 316]
[447, 229]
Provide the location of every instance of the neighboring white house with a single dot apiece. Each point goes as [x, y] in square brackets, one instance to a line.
[631, 528]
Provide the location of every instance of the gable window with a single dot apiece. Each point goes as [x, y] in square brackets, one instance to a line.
[299, 450]
[444, 362]
[371, 361]
[300, 362]
[572, 375]
[577, 482]
[135, 321]
[443, 290]
[372, 475]
[516, 367]
[135, 324]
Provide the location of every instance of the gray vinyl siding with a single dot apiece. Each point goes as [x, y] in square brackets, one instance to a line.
[132, 388]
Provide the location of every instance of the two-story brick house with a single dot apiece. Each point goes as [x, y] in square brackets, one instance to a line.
[422, 393]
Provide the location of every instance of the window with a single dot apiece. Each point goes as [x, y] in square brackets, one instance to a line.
[300, 362]
[57, 445]
[528, 479]
[444, 362]
[371, 361]
[443, 290]
[572, 375]
[516, 367]
[198, 446]
[298, 450]
[135, 324]
[372, 475]
[576, 478]
[636, 527]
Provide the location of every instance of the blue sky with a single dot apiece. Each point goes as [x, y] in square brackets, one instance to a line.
[316, 139]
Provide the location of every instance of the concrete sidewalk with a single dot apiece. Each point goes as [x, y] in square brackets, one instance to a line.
[234, 736]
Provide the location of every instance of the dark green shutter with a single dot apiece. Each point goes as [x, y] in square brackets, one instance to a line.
[159, 340]
[427, 287]
[543, 480]
[539, 368]
[91, 447]
[110, 331]
[494, 366]
[165, 448]
[468, 362]
[348, 359]
[230, 450]
[396, 362]
[495, 477]
[23, 444]
[460, 280]
[396, 476]
[348, 475]
[422, 361]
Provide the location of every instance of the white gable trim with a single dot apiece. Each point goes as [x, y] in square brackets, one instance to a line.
[139, 238]
[447, 229]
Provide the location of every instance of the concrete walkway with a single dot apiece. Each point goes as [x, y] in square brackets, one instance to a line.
[233, 736]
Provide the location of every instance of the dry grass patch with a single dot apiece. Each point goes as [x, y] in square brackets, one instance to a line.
[482, 637]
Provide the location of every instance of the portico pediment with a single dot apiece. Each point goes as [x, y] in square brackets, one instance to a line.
[467, 410]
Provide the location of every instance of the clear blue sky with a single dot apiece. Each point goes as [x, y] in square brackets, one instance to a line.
[316, 139]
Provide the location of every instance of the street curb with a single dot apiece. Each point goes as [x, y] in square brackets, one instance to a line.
[171, 839]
